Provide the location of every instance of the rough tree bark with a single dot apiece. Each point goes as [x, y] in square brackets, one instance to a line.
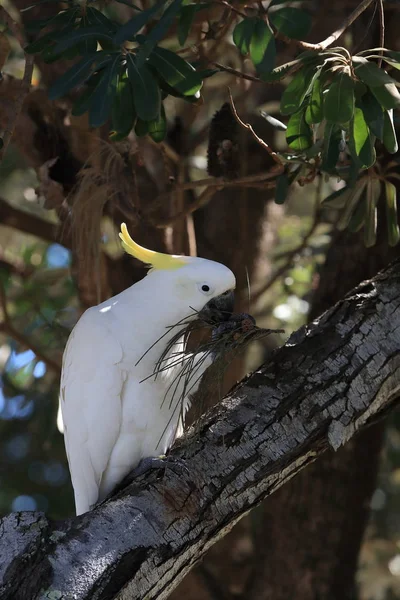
[331, 379]
[315, 553]
[318, 520]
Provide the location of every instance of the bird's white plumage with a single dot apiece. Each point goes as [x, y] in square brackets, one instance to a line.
[91, 403]
[114, 414]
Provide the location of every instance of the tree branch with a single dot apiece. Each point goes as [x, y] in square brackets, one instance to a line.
[28, 223]
[25, 81]
[336, 34]
[332, 378]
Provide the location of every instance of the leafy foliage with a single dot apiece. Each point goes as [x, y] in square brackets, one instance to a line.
[339, 106]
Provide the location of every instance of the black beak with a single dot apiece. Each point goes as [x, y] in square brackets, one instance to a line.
[218, 309]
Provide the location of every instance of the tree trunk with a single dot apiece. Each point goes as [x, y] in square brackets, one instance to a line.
[316, 549]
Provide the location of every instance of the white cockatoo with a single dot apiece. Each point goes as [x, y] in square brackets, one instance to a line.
[114, 412]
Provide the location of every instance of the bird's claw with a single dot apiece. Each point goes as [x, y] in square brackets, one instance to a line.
[154, 462]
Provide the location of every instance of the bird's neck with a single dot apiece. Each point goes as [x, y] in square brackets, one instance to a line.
[149, 315]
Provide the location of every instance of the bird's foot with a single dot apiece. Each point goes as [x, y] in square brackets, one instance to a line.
[154, 462]
[148, 464]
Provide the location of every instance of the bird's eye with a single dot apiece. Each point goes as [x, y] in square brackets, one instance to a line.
[205, 288]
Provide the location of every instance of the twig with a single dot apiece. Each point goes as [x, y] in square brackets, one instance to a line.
[308, 46]
[290, 256]
[201, 201]
[231, 8]
[8, 328]
[259, 141]
[334, 36]
[236, 73]
[213, 185]
[25, 82]
[381, 30]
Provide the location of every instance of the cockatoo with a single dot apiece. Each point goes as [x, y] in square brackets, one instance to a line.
[115, 412]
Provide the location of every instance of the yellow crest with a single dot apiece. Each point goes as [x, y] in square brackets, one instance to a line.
[157, 260]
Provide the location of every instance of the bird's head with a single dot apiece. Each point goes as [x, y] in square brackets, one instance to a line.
[203, 285]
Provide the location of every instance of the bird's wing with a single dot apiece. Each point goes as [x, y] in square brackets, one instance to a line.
[91, 403]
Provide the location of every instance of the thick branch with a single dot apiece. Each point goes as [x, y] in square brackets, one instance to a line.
[331, 378]
[29, 223]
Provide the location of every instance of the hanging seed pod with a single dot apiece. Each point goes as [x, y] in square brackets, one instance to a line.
[223, 148]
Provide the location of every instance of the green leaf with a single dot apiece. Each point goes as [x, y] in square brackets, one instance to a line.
[134, 25]
[373, 113]
[292, 22]
[186, 17]
[89, 44]
[48, 56]
[337, 199]
[279, 72]
[294, 94]
[176, 71]
[83, 34]
[158, 128]
[298, 133]
[331, 148]
[389, 132]
[373, 193]
[339, 100]
[185, 21]
[242, 34]
[262, 47]
[64, 17]
[390, 61]
[358, 217]
[85, 99]
[314, 112]
[123, 114]
[394, 59]
[141, 128]
[41, 43]
[359, 89]
[394, 55]
[39, 2]
[391, 214]
[370, 73]
[146, 93]
[360, 142]
[95, 17]
[127, 3]
[158, 32]
[103, 96]
[387, 95]
[353, 197]
[71, 78]
[282, 188]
